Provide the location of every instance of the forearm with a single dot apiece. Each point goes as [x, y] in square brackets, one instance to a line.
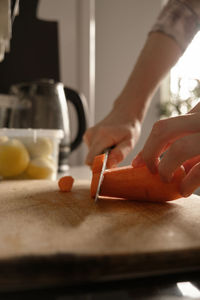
[159, 54]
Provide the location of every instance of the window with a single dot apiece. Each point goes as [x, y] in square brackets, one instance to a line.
[183, 82]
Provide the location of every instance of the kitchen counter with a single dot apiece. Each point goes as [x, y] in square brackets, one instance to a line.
[57, 244]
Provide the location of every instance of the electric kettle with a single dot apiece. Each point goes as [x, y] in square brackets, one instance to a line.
[44, 104]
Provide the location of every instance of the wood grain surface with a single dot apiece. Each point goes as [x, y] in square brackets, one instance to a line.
[51, 237]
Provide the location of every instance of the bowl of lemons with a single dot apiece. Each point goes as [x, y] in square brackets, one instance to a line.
[29, 153]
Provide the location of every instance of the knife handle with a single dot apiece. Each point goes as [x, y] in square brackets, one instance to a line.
[109, 149]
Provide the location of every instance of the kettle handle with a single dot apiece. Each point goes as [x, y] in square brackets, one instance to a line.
[81, 108]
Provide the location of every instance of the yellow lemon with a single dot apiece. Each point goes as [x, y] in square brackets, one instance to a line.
[42, 146]
[14, 158]
[41, 168]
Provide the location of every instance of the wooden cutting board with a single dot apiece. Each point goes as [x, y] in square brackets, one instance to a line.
[49, 237]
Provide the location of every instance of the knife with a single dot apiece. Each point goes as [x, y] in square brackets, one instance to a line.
[106, 152]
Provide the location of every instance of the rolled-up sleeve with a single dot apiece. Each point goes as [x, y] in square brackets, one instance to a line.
[179, 19]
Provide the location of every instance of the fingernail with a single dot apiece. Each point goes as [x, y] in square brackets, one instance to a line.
[184, 191]
[185, 194]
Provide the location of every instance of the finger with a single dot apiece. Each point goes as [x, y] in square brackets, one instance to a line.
[106, 137]
[179, 152]
[102, 141]
[190, 163]
[191, 181]
[164, 132]
[87, 137]
[119, 153]
[138, 161]
[96, 149]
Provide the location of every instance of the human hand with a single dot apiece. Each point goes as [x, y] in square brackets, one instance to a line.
[177, 139]
[118, 129]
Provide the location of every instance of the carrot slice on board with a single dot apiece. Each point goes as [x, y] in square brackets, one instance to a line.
[136, 184]
[65, 183]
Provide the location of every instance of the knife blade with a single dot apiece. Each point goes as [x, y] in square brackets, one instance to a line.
[106, 152]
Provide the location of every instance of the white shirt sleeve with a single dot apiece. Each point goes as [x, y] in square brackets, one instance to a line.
[179, 19]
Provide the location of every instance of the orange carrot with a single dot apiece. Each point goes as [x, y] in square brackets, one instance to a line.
[96, 170]
[98, 163]
[65, 183]
[136, 184]
[94, 184]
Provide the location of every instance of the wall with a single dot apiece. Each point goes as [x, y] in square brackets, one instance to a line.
[121, 30]
[65, 13]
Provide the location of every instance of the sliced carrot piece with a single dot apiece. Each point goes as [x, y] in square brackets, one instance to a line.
[65, 183]
[137, 184]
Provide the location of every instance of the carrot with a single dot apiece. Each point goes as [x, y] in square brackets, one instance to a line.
[65, 183]
[96, 170]
[136, 184]
[98, 163]
[94, 184]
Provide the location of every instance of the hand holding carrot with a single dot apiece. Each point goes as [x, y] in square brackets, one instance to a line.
[178, 139]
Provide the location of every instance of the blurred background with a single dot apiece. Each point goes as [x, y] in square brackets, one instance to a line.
[92, 46]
